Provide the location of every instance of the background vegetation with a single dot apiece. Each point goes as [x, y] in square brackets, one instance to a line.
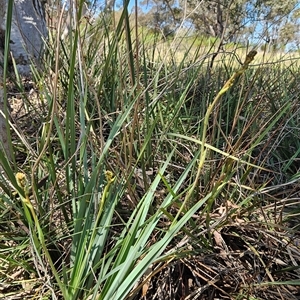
[147, 168]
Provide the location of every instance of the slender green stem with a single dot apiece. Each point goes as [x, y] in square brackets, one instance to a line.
[34, 224]
[203, 150]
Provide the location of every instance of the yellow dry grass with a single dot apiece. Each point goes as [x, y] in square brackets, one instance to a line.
[181, 49]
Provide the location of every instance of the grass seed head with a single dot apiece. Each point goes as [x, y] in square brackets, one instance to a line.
[21, 180]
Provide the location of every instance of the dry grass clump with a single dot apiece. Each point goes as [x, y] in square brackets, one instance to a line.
[151, 178]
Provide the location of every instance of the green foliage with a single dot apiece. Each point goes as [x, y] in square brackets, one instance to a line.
[143, 161]
[230, 21]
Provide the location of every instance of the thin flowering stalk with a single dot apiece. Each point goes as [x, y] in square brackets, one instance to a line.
[230, 82]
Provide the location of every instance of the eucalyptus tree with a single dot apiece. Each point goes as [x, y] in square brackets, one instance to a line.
[229, 19]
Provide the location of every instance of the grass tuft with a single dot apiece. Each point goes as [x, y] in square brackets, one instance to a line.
[134, 170]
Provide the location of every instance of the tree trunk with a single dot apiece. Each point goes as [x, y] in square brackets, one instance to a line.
[27, 33]
[28, 29]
